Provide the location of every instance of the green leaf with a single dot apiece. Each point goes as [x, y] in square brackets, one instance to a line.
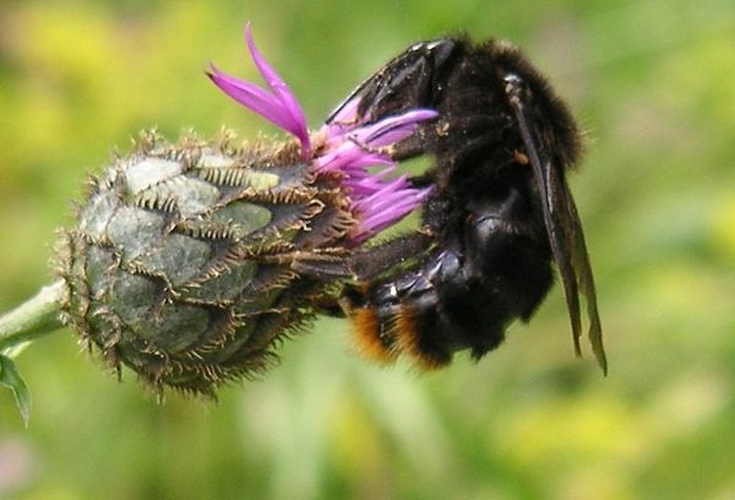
[10, 378]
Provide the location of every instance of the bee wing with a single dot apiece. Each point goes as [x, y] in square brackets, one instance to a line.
[563, 227]
[564, 213]
[408, 81]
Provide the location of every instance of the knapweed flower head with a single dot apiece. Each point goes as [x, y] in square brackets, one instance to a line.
[191, 261]
[354, 148]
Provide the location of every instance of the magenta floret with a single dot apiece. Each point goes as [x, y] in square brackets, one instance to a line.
[347, 145]
[278, 106]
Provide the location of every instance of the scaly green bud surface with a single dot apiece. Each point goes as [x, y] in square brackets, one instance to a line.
[174, 267]
[190, 261]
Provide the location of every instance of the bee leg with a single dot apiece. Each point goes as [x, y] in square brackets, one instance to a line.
[368, 263]
[364, 263]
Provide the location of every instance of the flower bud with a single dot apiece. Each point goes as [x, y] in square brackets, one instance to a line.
[181, 265]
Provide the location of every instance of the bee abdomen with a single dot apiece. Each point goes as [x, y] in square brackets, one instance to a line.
[461, 297]
[404, 316]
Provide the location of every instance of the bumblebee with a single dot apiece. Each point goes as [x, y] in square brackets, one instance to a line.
[499, 216]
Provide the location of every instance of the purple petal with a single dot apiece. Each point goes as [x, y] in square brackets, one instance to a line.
[394, 128]
[289, 105]
[249, 95]
[347, 113]
[278, 106]
[398, 204]
[352, 146]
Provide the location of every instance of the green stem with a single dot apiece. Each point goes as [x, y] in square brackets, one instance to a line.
[34, 318]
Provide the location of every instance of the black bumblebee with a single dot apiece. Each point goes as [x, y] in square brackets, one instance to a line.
[499, 215]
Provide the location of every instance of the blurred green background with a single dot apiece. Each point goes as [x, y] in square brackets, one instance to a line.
[651, 81]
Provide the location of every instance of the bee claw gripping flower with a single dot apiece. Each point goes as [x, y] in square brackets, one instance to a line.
[182, 263]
